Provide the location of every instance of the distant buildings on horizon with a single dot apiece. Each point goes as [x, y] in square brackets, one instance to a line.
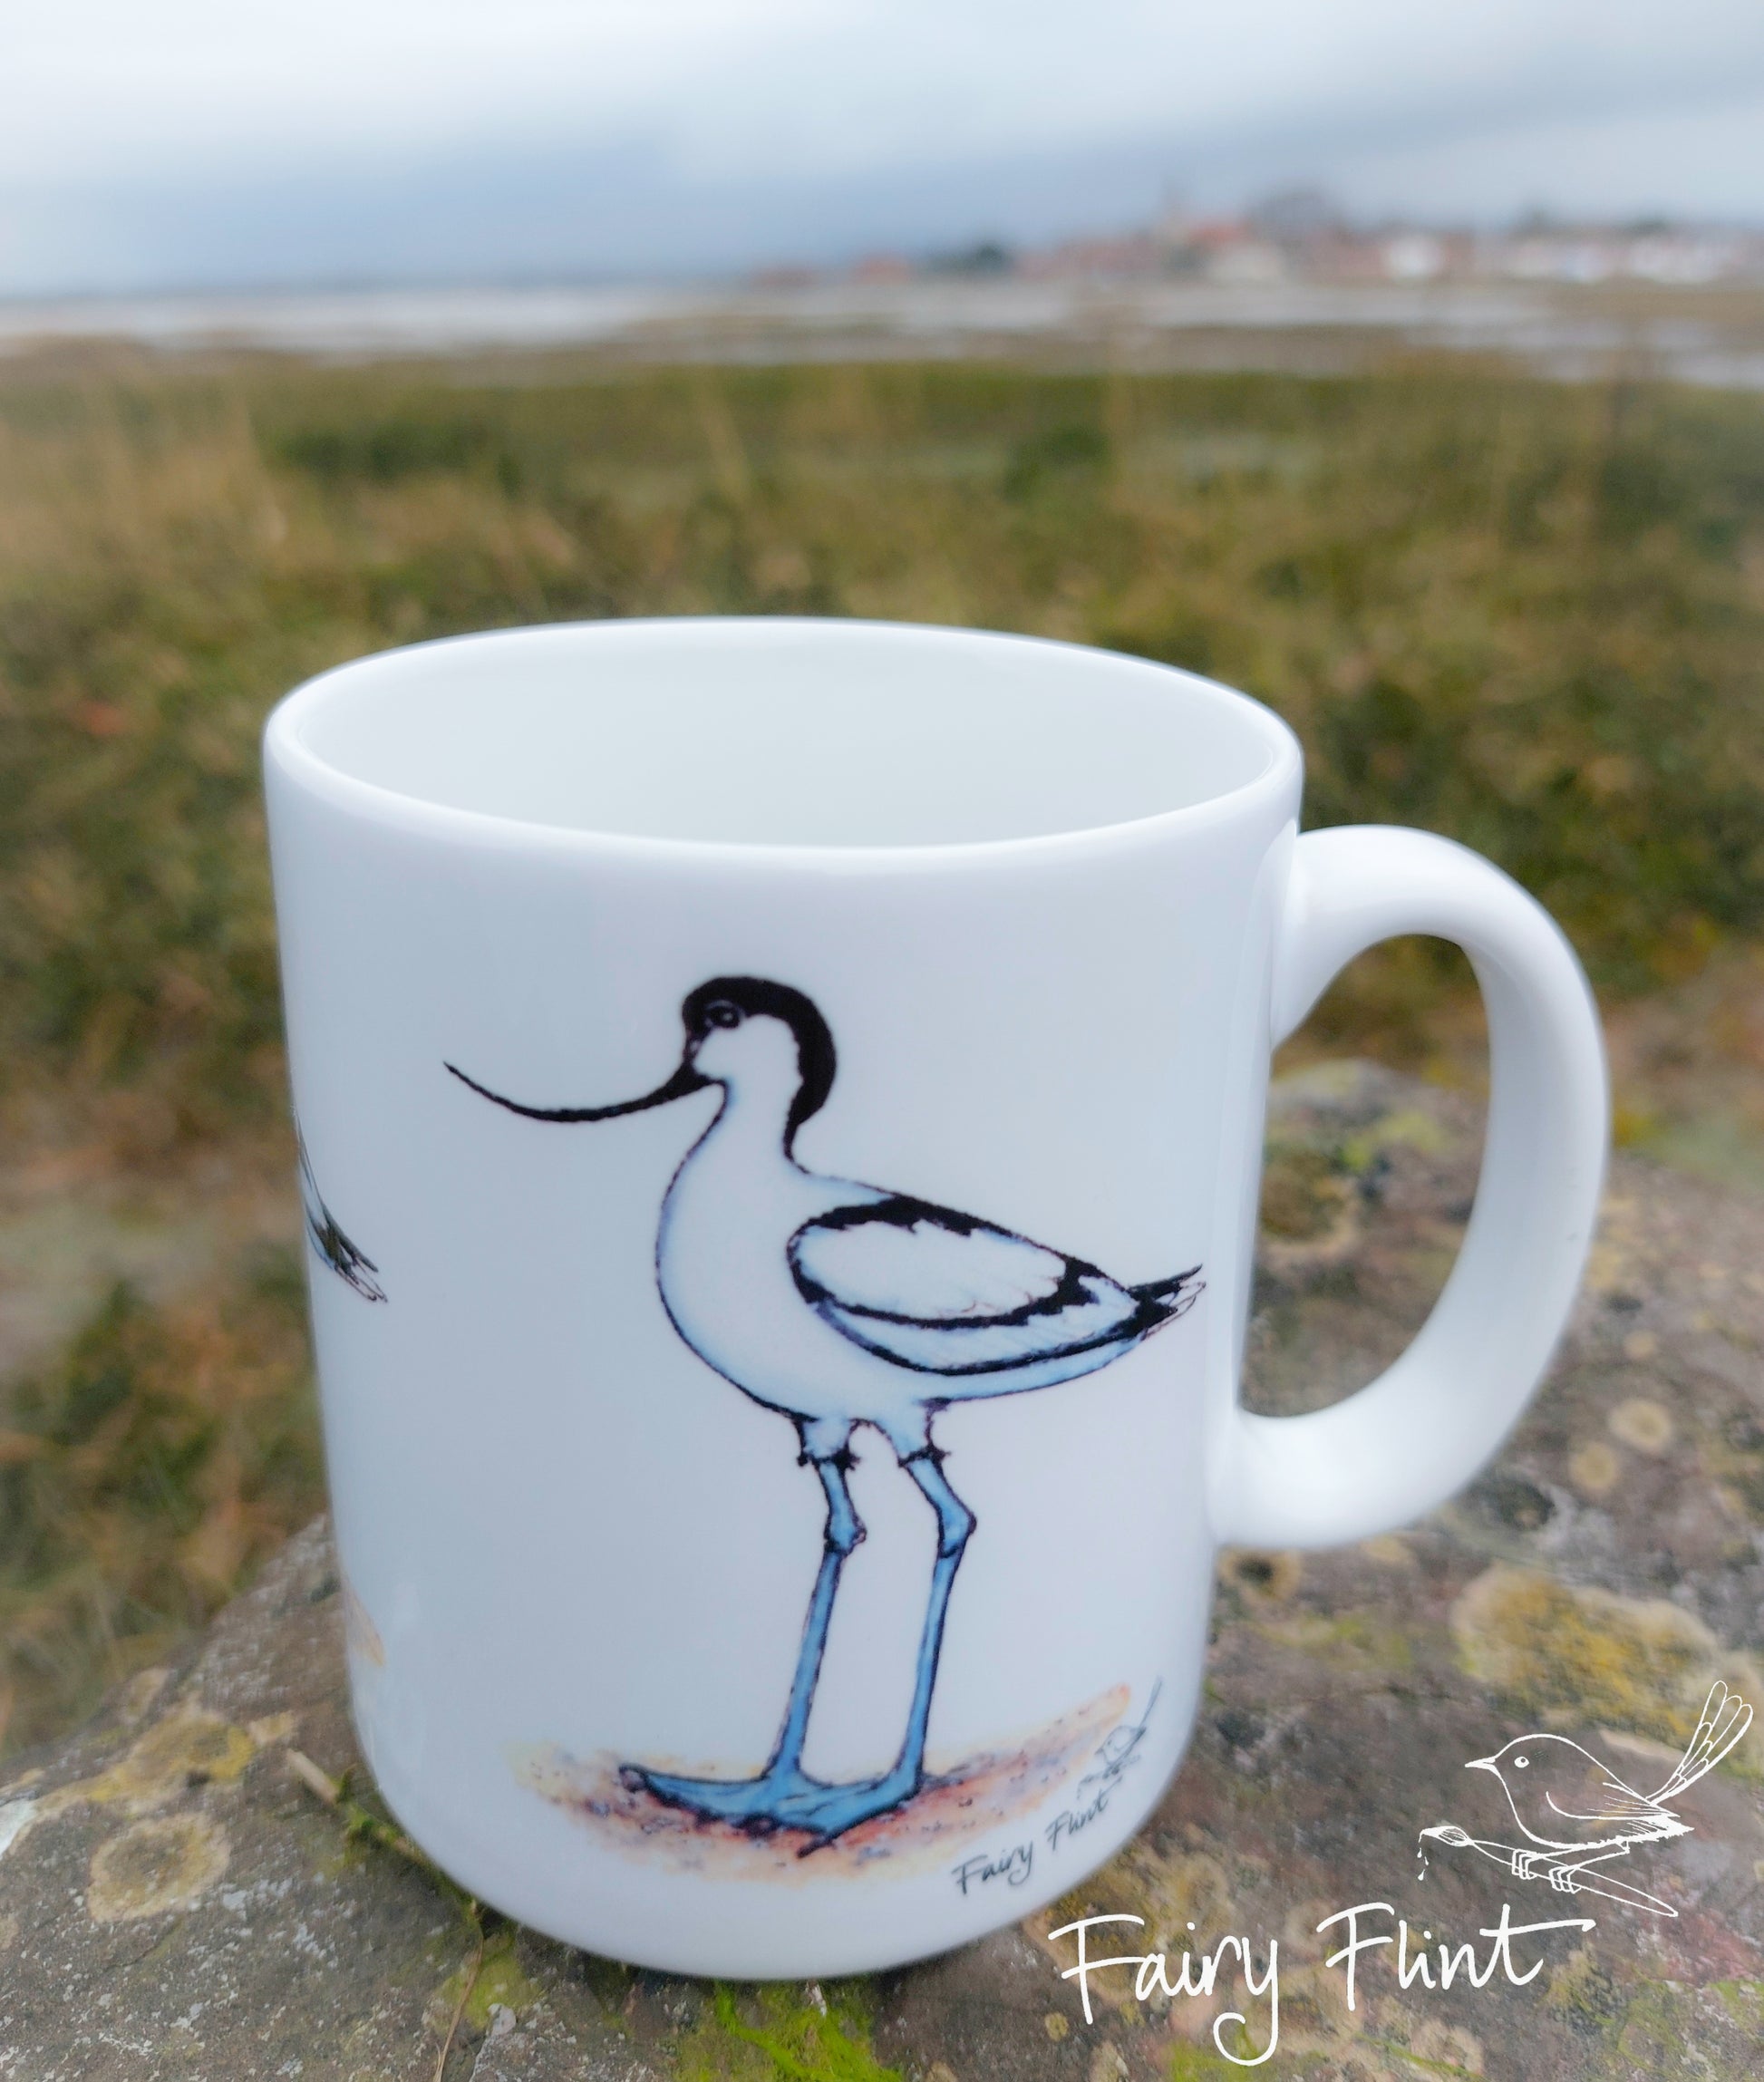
[1299, 236]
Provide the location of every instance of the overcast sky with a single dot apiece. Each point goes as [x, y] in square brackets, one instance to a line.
[227, 142]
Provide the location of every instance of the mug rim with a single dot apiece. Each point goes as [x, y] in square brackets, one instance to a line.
[287, 751]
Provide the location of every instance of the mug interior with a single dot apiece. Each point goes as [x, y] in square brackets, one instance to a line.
[775, 733]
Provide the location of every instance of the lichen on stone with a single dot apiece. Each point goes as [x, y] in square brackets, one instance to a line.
[1643, 1424]
[1264, 1577]
[154, 1866]
[1568, 1655]
[190, 1747]
[1596, 1468]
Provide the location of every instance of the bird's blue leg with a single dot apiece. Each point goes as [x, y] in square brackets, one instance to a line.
[842, 1807]
[766, 1802]
[956, 1524]
[844, 1530]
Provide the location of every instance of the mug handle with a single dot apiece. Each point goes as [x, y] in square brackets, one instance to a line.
[1420, 1431]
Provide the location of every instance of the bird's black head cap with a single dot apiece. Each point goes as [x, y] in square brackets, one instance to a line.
[727, 1001]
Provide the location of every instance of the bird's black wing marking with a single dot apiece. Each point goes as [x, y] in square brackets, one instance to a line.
[943, 1293]
[351, 1265]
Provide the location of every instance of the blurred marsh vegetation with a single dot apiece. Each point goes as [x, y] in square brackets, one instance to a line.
[1527, 614]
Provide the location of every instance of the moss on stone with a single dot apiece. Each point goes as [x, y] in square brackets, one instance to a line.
[1351, 1640]
[1584, 1992]
[781, 2034]
[501, 1983]
[1198, 2064]
[1659, 2033]
[1744, 2002]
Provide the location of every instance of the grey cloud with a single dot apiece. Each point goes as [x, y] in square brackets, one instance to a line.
[1661, 120]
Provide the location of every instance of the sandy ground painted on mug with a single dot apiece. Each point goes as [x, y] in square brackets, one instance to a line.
[976, 1795]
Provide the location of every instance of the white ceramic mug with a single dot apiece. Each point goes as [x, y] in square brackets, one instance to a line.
[781, 1108]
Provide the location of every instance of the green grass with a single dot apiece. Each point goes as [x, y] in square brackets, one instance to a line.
[143, 1475]
[1528, 615]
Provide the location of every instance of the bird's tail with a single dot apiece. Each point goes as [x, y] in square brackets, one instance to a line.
[1171, 1297]
[1725, 1718]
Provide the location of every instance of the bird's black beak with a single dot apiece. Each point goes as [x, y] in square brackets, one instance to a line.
[685, 1080]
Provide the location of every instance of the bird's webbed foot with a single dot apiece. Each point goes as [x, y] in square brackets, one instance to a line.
[779, 1799]
[834, 1809]
[757, 1804]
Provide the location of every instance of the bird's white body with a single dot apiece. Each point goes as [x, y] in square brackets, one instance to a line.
[731, 1260]
[722, 1264]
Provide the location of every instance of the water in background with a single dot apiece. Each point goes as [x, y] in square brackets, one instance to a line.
[1712, 337]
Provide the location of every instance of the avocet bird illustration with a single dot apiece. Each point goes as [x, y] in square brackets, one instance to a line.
[839, 1304]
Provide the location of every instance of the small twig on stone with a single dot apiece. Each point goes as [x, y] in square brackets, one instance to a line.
[359, 1821]
[312, 1778]
[465, 1995]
